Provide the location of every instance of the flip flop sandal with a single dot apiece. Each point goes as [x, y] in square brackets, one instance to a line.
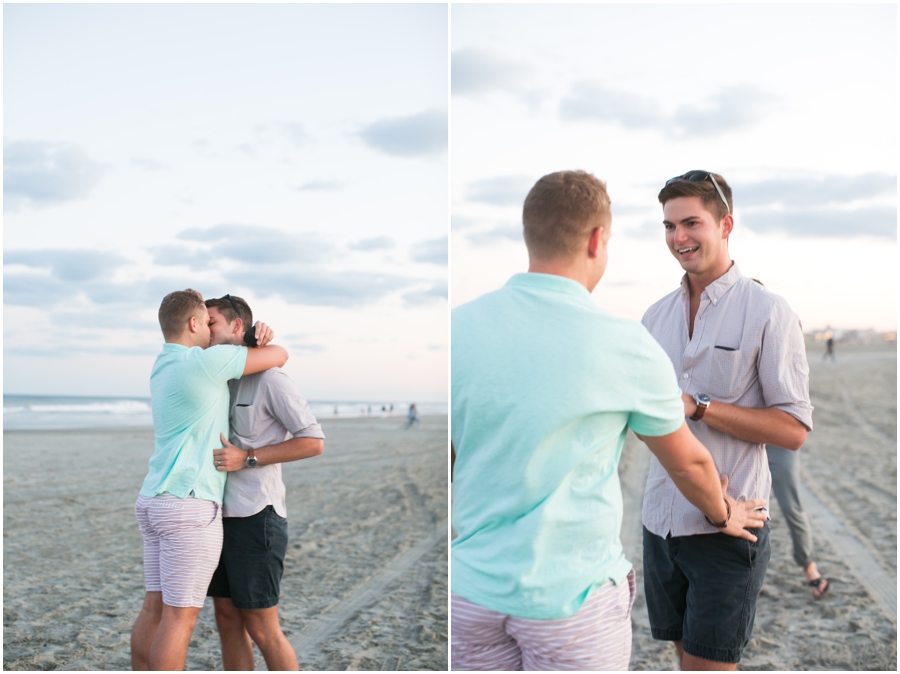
[819, 587]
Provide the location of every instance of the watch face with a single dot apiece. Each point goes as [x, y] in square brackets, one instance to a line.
[703, 399]
[251, 462]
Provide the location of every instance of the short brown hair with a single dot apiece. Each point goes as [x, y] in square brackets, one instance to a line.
[560, 212]
[176, 309]
[703, 189]
[225, 308]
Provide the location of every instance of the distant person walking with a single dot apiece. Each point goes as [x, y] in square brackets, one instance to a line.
[412, 417]
[785, 468]
[829, 349]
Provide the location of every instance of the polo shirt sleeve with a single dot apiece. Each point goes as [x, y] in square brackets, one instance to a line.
[657, 408]
[224, 362]
[285, 403]
[782, 365]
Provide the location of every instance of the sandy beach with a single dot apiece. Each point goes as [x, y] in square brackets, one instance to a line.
[849, 469]
[365, 584]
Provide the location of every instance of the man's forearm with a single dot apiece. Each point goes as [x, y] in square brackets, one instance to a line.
[770, 425]
[692, 469]
[290, 450]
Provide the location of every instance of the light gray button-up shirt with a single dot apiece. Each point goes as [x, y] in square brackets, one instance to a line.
[747, 350]
[266, 409]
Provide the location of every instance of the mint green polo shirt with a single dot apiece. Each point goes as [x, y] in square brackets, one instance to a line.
[544, 385]
[189, 399]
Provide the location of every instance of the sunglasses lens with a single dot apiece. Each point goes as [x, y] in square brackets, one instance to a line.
[696, 176]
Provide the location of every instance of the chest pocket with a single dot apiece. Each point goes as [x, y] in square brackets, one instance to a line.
[243, 420]
[731, 374]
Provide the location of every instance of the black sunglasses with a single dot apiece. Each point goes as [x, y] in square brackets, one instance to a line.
[699, 177]
[233, 305]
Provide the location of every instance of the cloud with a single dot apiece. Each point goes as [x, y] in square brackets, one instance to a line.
[433, 251]
[147, 164]
[593, 101]
[320, 186]
[461, 222]
[68, 264]
[255, 244]
[499, 233]
[832, 223]
[731, 108]
[437, 291]
[42, 173]
[417, 135]
[172, 255]
[300, 342]
[378, 243]
[475, 71]
[795, 192]
[320, 287]
[296, 133]
[502, 191]
[649, 229]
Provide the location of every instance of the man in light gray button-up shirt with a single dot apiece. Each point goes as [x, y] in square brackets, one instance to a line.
[270, 425]
[739, 356]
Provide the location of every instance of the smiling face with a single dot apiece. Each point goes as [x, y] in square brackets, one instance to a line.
[696, 239]
[220, 330]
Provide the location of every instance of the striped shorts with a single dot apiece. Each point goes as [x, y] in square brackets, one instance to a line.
[596, 638]
[182, 544]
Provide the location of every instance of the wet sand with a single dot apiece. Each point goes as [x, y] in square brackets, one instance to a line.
[365, 584]
[849, 472]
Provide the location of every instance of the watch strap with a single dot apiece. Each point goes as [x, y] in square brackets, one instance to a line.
[699, 412]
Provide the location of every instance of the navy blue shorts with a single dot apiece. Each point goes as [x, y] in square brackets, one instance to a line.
[702, 590]
[252, 560]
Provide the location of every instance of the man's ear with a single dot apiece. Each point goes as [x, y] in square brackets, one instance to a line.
[193, 324]
[594, 242]
[238, 328]
[727, 225]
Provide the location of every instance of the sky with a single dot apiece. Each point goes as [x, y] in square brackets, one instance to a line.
[293, 155]
[795, 105]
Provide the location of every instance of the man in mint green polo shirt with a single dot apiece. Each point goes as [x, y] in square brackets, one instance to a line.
[179, 506]
[544, 386]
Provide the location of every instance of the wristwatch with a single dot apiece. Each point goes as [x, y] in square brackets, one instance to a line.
[252, 461]
[702, 401]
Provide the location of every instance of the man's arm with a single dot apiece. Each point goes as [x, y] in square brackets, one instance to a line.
[693, 471]
[230, 458]
[265, 358]
[768, 425]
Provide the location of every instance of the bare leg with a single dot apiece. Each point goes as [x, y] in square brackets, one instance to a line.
[237, 650]
[169, 648]
[691, 663]
[811, 572]
[264, 628]
[144, 630]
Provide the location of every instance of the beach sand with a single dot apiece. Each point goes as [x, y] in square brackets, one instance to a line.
[365, 584]
[849, 470]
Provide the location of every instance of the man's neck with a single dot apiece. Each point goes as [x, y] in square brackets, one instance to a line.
[571, 270]
[697, 283]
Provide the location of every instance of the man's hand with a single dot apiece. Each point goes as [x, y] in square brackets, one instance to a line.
[690, 405]
[263, 333]
[744, 515]
[230, 458]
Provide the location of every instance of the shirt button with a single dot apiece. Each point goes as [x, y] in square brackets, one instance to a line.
[685, 375]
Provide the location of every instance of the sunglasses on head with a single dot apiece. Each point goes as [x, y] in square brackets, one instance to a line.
[699, 177]
[233, 305]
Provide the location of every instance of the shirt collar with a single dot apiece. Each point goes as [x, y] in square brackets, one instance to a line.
[717, 289]
[550, 282]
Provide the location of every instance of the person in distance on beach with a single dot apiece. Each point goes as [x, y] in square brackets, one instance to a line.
[739, 356]
[179, 506]
[544, 386]
[264, 409]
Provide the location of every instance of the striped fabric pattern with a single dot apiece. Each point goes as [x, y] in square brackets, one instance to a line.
[597, 638]
[182, 545]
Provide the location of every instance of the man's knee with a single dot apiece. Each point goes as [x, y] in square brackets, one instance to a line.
[262, 625]
[185, 616]
[228, 617]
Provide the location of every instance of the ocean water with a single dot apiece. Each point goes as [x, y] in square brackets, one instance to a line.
[66, 412]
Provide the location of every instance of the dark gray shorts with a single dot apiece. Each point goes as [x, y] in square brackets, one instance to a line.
[702, 590]
[252, 560]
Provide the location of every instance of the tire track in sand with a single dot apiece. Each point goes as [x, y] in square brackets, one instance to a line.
[333, 618]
